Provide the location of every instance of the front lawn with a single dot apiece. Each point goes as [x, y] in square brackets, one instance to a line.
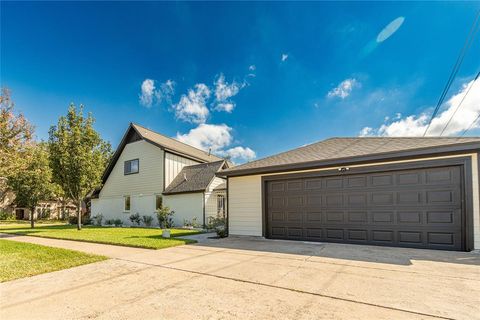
[18, 259]
[133, 237]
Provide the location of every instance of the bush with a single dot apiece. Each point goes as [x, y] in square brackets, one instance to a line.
[219, 225]
[4, 215]
[85, 220]
[109, 222]
[98, 219]
[193, 224]
[164, 217]
[135, 218]
[118, 222]
[147, 220]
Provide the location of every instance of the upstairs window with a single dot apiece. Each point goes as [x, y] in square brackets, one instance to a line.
[131, 166]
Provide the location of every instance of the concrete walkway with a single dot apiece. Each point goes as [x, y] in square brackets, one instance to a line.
[242, 278]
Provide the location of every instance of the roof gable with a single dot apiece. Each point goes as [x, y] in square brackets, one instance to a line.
[136, 132]
[194, 178]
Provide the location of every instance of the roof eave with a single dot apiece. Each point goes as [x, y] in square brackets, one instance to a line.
[182, 192]
[386, 156]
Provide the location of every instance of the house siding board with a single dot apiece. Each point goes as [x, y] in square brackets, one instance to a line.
[147, 181]
[174, 164]
[186, 206]
[245, 198]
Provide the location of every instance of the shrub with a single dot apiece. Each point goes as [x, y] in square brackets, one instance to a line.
[72, 219]
[194, 223]
[135, 218]
[118, 222]
[109, 222]
[219, 225]
[4, 215]
[164, 217]
[147, 220]
[98, 219]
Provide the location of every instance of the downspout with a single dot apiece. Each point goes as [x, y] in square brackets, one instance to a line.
[204, 225]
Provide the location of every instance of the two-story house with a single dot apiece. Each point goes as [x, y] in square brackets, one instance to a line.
[150, 170]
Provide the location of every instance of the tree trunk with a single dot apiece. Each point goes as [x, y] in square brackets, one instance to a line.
[79, 215]
[32, 212]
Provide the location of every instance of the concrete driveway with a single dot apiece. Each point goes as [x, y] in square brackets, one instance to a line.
[249, 278]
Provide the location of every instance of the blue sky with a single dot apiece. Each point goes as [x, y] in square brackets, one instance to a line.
[245, 79]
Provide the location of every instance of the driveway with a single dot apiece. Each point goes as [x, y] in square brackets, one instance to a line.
[251, 278]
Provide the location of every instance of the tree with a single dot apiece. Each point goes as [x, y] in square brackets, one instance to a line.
[78, 156]
[32, 184]
[15, 137]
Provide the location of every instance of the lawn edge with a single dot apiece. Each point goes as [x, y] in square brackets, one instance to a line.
[187, 241]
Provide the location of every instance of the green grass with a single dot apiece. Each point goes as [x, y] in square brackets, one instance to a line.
[133, 237]
[19, 260]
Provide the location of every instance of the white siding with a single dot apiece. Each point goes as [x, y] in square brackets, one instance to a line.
[245, 205]
[215, 183]
[186, 206]
[141, 187]
[173, 165]
[147, 181]
[245, 196]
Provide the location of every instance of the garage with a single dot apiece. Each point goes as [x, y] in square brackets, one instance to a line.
[408, 208]
[415, 192]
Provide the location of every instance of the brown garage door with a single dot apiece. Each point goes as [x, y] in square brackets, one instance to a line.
[409, 208]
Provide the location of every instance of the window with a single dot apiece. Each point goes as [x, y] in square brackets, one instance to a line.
[158, 202]
[131, 166]
[126, 203]
[221, 205]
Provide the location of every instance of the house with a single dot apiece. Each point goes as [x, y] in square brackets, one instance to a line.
[406, 192]
[149, 170]
[46, 209]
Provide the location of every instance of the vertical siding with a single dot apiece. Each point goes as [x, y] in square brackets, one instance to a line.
[245, 205]
[148, 180]
[173, 165]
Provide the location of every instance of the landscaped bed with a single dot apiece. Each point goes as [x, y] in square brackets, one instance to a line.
[18, 259]
[150, 238]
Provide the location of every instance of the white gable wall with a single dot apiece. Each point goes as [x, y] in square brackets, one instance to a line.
[141, 187]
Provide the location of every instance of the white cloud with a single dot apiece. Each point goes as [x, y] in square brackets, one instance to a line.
[227, 107]
[284, 57]
[239, 154]
[344, 88]
[217, 138]
[150, 95]
[224, 91]
[208, 136]
[390, 29]
[147, 92]
[192, 106]
[366, 132]
[252, 67]
[415, 125]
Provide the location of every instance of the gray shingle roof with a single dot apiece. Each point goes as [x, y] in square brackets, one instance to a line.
[194, 178]
[174, 145]
[341, 148]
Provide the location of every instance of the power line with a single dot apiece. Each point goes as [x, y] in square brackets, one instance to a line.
[471, 125]
[456, 67]
[460, 104]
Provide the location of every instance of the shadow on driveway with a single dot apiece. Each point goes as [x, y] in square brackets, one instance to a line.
[365, 253]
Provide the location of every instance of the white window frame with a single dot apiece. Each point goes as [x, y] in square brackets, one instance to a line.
[221, 208]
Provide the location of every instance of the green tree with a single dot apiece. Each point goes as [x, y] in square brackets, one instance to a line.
[15, 136]
[78, 156]
[32, 184]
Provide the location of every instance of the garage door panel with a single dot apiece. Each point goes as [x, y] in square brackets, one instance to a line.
[413, 208]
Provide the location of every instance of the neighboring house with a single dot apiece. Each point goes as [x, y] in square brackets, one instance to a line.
[48, 209]
[149, 170]
[407, 192]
